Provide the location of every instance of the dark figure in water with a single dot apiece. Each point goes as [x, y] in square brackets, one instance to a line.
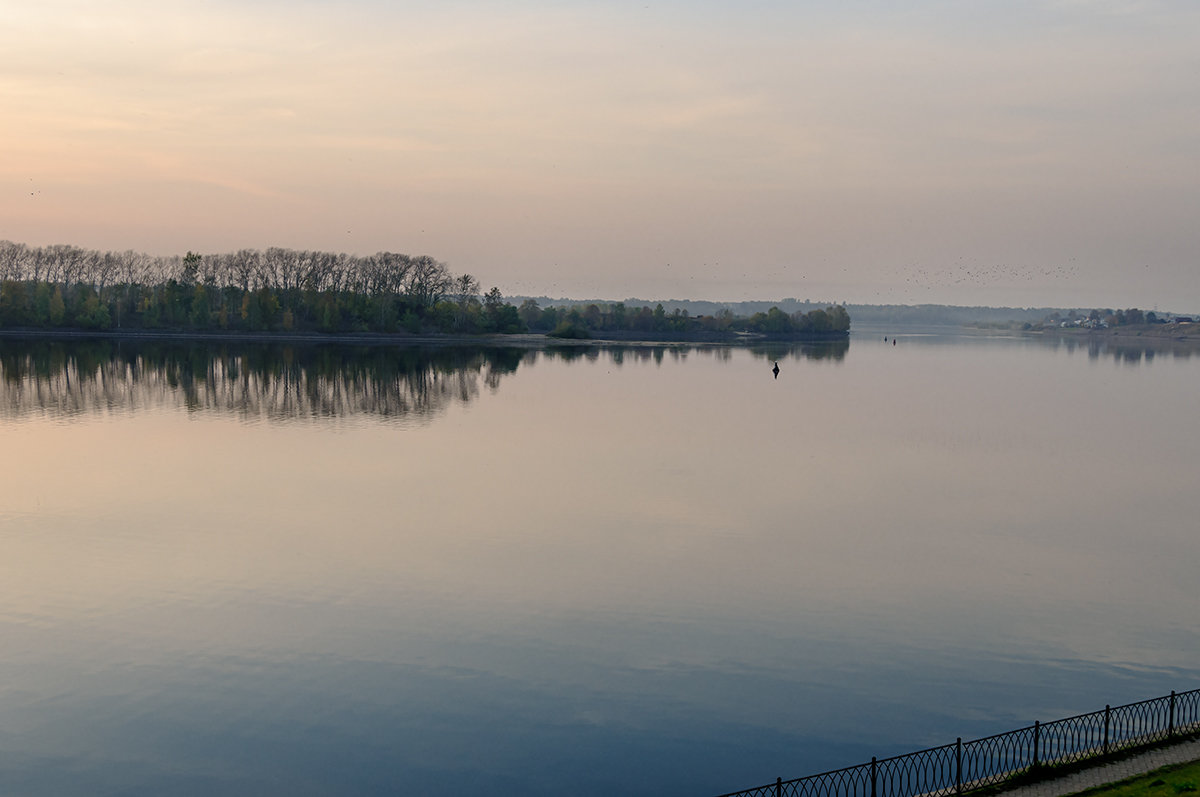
[775, 370]
[893, 341]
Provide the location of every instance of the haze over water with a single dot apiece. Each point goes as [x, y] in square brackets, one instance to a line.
[248, 570]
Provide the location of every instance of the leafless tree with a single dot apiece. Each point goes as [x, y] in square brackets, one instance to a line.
[428, 281]
[12, 260]
[421, 280]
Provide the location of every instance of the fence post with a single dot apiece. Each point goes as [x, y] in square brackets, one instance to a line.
[1037, 738]
[778, 787]
[873, 777]
[958, 766]
[1107, 713]
[1171, 721]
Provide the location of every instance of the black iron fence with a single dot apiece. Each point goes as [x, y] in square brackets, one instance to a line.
[955, 768]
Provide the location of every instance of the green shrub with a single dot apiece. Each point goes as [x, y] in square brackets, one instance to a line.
[570, 331]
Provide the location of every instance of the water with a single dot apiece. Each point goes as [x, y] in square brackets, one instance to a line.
[270, 570]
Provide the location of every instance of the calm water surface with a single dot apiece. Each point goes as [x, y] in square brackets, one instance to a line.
[321, 571]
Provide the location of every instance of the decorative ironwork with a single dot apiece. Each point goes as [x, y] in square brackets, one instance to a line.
[963, 766]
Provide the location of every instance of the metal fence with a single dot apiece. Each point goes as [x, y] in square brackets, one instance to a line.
[955, 768]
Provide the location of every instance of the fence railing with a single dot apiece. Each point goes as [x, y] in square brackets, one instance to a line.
[962, 766]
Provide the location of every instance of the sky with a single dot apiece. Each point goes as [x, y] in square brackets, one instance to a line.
[991, 152]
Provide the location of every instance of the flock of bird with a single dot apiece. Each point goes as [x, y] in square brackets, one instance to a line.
[966, 272]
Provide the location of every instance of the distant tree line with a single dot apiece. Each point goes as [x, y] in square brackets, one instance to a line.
[598, 318]
[281, 289]
[1104, 318]
[248, 290]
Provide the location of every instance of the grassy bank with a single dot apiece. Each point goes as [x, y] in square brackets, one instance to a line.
[1178, 332]
[1182, 780]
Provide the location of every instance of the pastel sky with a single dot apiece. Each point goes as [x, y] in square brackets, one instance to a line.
[1015, 152]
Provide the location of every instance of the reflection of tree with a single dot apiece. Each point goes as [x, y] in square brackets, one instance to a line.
[1123, 349]
[255, 381]
[283, 382]
[834, 350]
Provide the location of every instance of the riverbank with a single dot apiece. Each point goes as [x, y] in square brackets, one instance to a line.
[1109, 771]
[1184, 333]
[517, 340]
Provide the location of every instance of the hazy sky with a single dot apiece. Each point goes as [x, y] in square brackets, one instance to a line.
[1021, 152]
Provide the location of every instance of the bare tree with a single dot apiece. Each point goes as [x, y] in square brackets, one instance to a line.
[466, 288]
[245, 268]
[12, 260]
[428, 282]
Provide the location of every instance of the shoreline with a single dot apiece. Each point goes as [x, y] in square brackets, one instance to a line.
[529, 340]
[1159, 333]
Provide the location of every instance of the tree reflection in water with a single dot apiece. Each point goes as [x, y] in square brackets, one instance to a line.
[1127, 350]
[289, 382]
[269, 382]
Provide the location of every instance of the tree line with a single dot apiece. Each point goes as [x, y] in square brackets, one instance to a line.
[247, 290]
[587, 320]
[1105, 317]
[280, 289]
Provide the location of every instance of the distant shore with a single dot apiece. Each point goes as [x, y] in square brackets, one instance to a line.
[530, 340]
[1184, 333]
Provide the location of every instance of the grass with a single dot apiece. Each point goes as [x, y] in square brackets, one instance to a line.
[1047, 772]
[1177, 781]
